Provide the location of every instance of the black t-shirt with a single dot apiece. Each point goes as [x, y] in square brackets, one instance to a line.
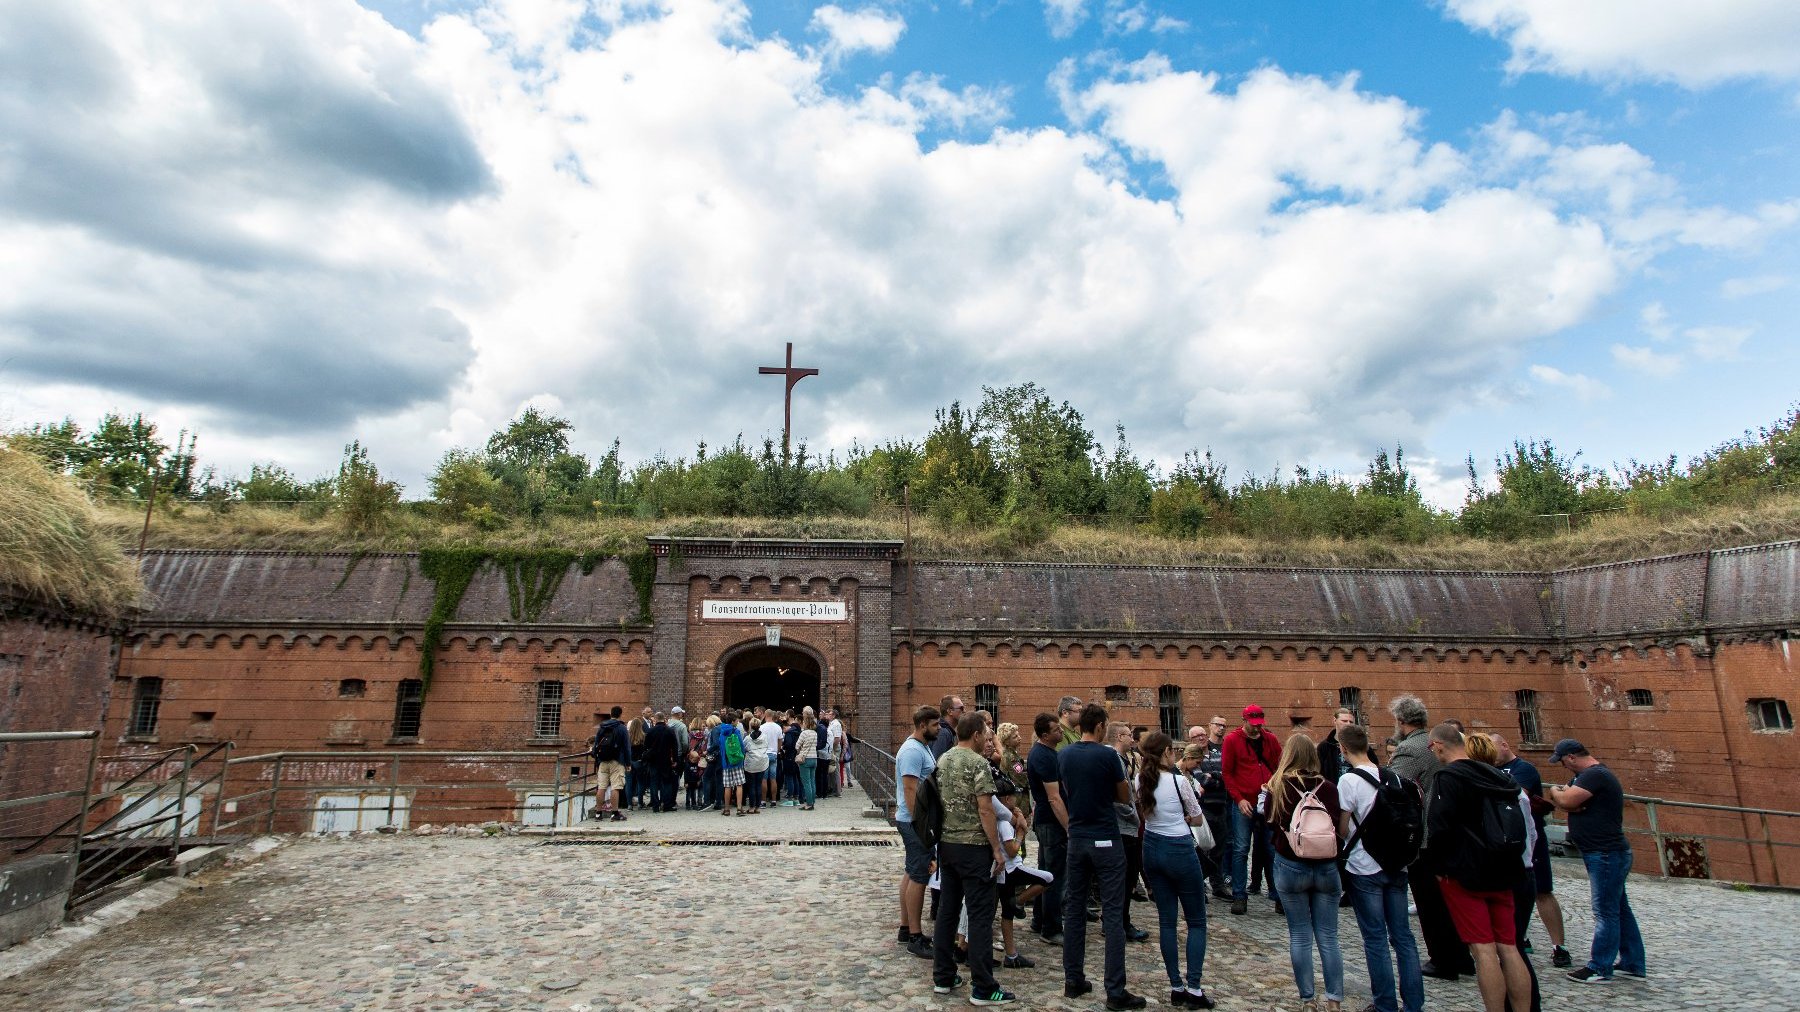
[1599, 825]
[1040, 769]
[1090, 774]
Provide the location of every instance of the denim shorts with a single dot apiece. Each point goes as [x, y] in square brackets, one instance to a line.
[918, 856]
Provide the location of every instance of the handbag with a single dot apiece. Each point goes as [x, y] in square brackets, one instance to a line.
[1203, 837]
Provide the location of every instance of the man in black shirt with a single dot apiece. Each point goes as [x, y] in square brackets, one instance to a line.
[1050, 823]
[1595, 802]
[1093, 780]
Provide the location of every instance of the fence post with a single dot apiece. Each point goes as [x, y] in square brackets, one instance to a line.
[218, 804]
[187, 761]
[1662, 852]
[1769, 845]
[274, 796]
[393, 788]
[555, 794]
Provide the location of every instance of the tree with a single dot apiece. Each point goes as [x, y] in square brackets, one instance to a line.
[532, 440]
[364, 498]
[1126, 483]
[1043, 449]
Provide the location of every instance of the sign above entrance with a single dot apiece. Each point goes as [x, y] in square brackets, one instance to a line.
[740, 610]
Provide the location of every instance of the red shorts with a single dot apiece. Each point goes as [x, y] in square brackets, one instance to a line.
[1480, 918]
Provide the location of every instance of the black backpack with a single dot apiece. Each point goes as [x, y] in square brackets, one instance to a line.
[1498, 836]
[606, 745]
[928, 811]
[1394, 830]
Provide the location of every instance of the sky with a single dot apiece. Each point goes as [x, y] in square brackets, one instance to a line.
[1287, 231]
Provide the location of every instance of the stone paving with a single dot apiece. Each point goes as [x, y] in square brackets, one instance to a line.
[520, 922]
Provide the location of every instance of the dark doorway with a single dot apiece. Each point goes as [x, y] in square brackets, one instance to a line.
[776, 677]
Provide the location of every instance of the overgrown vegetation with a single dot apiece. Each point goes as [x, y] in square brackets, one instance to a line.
[1019, 476]
[532, 577]
[54, 546]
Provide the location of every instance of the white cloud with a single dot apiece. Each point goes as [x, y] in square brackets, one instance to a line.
[1643, 208]
[1653, 319]
[1064, 16]
[1645, 360]
[1761, 284]
[869, 30]
[1692, 44]
[626, 213]
[1584, 388]
[1717, 343]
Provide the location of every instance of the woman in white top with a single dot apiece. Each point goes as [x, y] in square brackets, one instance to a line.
[1169, 808]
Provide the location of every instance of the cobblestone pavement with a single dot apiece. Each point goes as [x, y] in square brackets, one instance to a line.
[409, 922]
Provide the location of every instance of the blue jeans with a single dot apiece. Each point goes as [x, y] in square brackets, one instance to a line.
[1172, 873]
[1095, 863]
[809, 780]
[1616, 938]
[1243, 834]
[1309, 891]
[1380, 904]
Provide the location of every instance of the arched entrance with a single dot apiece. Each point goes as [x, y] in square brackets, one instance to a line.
[781, 678]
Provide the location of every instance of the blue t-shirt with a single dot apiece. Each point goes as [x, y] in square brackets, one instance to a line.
[914, 760]
[1090, 775]
[1041, 769]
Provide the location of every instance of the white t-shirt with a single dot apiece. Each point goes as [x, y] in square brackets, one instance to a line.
[1357, 798]
[834, 736]
[1169, 817]
[769, 736]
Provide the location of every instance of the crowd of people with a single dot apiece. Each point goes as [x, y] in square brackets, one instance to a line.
[1435, 821]
[737, 762]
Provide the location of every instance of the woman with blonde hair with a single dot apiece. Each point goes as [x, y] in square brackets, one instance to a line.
[1304, 814]
[806, 758]
[1012, 763]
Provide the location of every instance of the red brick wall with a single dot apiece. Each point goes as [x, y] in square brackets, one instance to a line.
[55, 673]
[267, 695]
[708, 641]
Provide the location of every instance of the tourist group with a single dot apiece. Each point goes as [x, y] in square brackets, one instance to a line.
[1433, 821]
[733, 761]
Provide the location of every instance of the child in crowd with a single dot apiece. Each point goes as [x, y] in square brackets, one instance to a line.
[691, 777]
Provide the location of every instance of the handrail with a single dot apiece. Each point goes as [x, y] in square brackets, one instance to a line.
[10, 737]
[352, 756]
[1646, 800]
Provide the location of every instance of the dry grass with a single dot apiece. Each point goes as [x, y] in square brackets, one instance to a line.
[1614, 538]
[54, 546]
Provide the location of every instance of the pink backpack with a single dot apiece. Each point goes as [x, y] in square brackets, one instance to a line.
[1310, 833]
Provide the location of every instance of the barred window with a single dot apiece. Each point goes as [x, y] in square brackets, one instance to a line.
[1118, 693]
[1350, 698]
[1639, 697]
[146, 701]
[1168, 710]
[1531, 721]
[987, 697]
[352, 688]
[549, 709]
[409, 708]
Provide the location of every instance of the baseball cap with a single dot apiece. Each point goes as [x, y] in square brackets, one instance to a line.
[677, 710]
[1567, 747]
[1253, 714]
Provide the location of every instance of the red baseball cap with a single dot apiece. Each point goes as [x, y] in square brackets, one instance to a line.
[1253, 714]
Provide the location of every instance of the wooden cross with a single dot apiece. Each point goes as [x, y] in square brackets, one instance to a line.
[787, 403]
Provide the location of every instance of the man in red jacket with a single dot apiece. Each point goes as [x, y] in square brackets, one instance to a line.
[1250, 757]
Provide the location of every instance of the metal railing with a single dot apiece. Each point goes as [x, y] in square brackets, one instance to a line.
[875, 772]
[154, 818]
[44, 781]
[332, 792]
[1692, 840]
